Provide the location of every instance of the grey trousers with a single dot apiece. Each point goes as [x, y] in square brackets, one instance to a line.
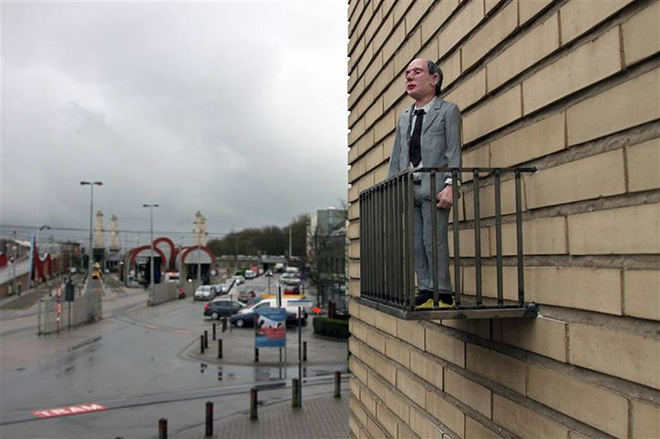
[423, 211]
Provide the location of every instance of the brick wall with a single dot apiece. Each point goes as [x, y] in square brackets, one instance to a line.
[573, 88]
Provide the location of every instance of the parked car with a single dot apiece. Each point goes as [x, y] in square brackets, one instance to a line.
[204, 292]
[247, 317]
[221, 308]
[269, 273]
[245, 295]
[249, 274]
[239, 279]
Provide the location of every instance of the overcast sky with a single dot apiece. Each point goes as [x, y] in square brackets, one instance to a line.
[236, 109]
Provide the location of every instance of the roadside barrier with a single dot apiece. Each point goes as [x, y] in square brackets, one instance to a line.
[209, 419]
[162, 428]
[253, 404]
[201, 343]
[220, 348]
[337, 384]
[295, 394]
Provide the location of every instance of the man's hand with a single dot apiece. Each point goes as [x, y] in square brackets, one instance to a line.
[445, 198]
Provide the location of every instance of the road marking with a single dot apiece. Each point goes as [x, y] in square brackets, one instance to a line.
[149, 326]
[182, 331]
[68, 411]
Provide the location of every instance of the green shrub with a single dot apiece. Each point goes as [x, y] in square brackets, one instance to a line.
[333, 328]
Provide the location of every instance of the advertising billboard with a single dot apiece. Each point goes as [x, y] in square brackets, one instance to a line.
[270, 328]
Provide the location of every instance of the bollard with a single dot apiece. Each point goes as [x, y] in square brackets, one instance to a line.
[256, 355]
[162, 428]
[220, 348]
[224, 324]
[295, 394]
[201, 343]
[214, 332]
[209, 419]
[337, 384]
[304, 351]
[206, 339]
[253, 404]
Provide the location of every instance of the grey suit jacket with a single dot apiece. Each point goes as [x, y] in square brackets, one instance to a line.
[440, 146]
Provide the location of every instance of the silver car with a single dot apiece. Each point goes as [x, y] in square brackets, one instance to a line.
[204, 292]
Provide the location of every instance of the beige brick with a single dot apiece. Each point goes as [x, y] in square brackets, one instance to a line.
[600, 232]
[641, 293]
[645, 420]
[578, 69]
[405, 433]
[641, 35]
[383, 32]
[470, 91]
[540, 335]
[357, 370]
[529, 8]
[560, 286]
[466, 20]
[490, 4]
[629, 356]
[381, 172]
[354, 386]
[387, 370]
[400, 9]
[415, 13]
[368, 315]
[451, 69]
[470, 393]
[374, 429]
[467, 242]
[408, 50]
[445, 412]
[492, 115]
[375, 341]
[531, 142]
[478, 327]
[386, 323]
[399, 352]
[489, 281]
[475, 158]
[423, 427]
[487, 200]
[384, 126]
[629, 104]
[387, 421]
[643, 162]
[426, 368]
[524, 422]
[592, 405]
[489, 36]
[597, 176]
[578, 16]
[411, 332]
[397, 405]
[476, 430]
[358, 411]
[445, 346]
[545, 236]
[377, 385]
[437, 16]
[368, 402]
[354, 287]
[393, 41]
[353, 426]
[430, 51]
[374, 112]
[354, 269]
[502, 369]
[354, 214]
[410, 387]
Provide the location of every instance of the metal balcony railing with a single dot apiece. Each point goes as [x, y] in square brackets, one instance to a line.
[387, 266]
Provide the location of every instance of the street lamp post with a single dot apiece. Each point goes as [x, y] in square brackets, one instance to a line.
[151, 267]
[91, 185]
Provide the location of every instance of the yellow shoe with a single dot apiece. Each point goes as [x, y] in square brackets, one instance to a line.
[444, 305]
[426, 305]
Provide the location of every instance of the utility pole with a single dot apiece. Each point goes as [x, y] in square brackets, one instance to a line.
[290, 245]
[91, 185]
[151, 258]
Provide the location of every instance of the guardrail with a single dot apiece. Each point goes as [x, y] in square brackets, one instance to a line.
[387, 235]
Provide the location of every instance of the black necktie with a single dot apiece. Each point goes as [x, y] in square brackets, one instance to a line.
[416, 141]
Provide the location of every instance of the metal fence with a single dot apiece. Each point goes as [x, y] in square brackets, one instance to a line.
[387, 266]
[55, 314]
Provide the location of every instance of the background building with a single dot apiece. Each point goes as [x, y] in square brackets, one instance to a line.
[571, 87]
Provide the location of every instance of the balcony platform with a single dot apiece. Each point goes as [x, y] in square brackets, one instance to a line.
[528, 310]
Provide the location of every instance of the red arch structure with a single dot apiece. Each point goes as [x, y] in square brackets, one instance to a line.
[168, 262]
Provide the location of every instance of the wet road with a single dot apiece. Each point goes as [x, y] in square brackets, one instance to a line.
[139, 369]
